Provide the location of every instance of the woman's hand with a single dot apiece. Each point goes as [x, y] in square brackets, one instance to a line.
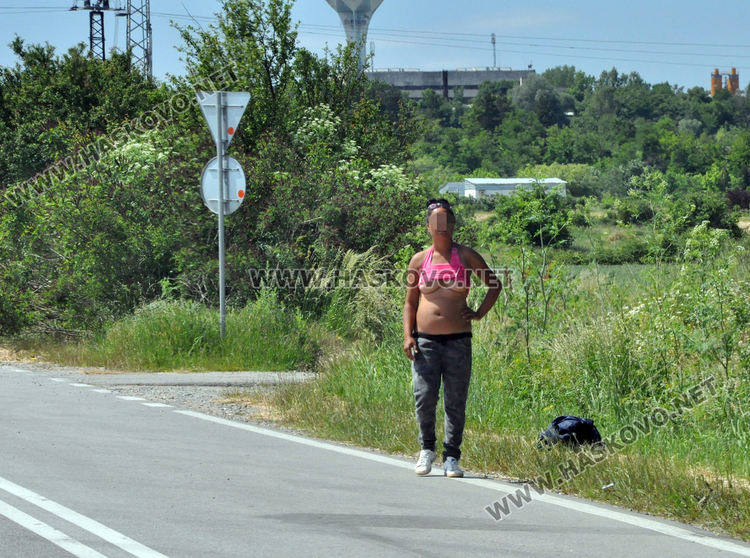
[468, 314]
[409, 344]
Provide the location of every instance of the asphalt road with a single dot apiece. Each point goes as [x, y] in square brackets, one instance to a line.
[86, 472]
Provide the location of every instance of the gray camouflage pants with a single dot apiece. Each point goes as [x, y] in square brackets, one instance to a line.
[448, 359]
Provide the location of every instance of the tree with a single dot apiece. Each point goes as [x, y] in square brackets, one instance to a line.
[538, 96]
[567, 145]
[256, 39]
[49, 104]
[582, 180]
[738, 160]
[320, 179]
[536, 216]
[491, 105]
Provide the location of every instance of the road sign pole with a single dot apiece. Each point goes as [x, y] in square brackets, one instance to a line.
[229, 106]
[220, 149]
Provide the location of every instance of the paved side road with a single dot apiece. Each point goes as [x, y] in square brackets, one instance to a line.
[88, 471]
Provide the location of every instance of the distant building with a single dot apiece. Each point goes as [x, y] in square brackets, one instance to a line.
[443, 82]
[729, 81]
[482, 187]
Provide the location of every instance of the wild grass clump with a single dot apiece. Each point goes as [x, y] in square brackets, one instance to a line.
[363, 397]
[359, 303]
[184, 335]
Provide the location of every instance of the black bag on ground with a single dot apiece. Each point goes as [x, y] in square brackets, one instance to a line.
[571, 431]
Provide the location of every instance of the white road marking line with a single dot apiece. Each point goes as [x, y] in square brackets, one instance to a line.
[156, 405]
[498, 486]
[81, 385]
[50, 533]
[130, 398]
[94, 527]
[57, 379]
[101, 391]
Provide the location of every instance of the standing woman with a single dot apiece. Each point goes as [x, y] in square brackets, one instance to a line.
[437, 333]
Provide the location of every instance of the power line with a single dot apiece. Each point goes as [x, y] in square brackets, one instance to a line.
[182, 16]
[467, 41]
[516, 43]
[34, 12]
[433, 34]
[448, 42]
[567, 39]
[527, 52]
[443, 36]
[32, 8]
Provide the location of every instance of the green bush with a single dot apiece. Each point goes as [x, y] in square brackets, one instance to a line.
[533, 216]
[711, 207]
[631, 210]
[629, 250]
[183, 335]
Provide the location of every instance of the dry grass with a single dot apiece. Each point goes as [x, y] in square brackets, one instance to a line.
[13, 353]
[709, 475]
[7, 355]
[258, 401]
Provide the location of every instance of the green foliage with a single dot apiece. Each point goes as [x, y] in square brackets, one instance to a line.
[50, 103]
[257, 40]
[323, 152]
[672, 215]
[531, 216]
[567, 145]
[361, 300]
[538, 96]
[333, 165]
[172, 335]
[616, 125]
[582, 180]
[491, 105]
[447, 112]
[632, 209]
[95, 245]
[709, 299]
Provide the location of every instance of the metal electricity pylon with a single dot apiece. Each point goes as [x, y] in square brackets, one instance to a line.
[139, 38]
[139, 41]
[96, 9]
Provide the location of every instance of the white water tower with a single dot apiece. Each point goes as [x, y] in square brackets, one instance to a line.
[356, 16]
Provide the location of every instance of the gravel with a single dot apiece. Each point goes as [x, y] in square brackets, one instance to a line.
[204, 399]
[201, 392]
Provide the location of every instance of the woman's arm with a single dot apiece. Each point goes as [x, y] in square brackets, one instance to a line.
[480, 268]
[410, 306]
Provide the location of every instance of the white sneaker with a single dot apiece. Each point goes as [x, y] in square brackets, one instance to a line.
[451, 468]
[424, 463]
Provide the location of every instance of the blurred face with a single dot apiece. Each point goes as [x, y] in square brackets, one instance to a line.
[440, 223]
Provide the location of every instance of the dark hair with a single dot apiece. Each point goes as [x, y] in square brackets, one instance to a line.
[434, 203]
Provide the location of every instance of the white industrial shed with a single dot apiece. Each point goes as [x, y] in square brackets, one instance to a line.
[482, 187]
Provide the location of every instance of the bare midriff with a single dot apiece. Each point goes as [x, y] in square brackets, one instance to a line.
[439, 310]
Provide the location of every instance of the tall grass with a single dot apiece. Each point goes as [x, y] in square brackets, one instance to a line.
[182, 335]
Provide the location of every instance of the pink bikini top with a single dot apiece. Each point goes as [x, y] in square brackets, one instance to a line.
[452, 274]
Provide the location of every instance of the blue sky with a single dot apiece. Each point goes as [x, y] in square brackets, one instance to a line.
[663, 40]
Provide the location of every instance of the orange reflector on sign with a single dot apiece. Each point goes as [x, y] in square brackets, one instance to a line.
[230, 131]
[241, 194]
